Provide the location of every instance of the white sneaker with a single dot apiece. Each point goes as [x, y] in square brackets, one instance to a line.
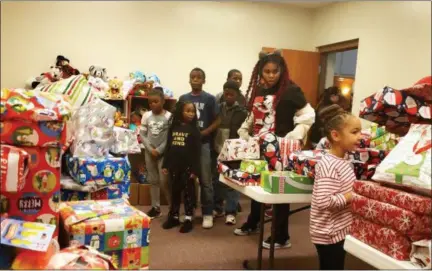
[230, 220]
[207, 222]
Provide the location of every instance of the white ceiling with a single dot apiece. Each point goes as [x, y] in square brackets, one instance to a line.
[304, 4]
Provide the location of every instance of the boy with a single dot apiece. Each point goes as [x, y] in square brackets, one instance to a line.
[236, 76]
[231, 116]
[154, 133]
[207, 110]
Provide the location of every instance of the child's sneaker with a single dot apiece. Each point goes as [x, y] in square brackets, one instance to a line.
[170, 223]
[266, 244]
[187, 226]
[245, 229]
[154, 212]
[207, 222]
[230, 220]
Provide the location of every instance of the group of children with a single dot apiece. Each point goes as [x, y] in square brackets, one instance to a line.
[181, 150]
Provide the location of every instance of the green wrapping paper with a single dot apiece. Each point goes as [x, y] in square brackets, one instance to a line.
[253, 166]
[286, 182]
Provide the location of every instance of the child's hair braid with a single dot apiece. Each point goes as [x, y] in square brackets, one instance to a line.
[333, 117]
[282, 84]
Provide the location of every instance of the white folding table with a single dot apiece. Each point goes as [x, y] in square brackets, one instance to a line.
[258, 194]
[374, 257]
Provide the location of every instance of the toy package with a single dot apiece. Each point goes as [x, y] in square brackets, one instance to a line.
[28, 235]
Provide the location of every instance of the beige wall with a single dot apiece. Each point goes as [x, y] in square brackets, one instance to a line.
[395, 41]
[168, 38]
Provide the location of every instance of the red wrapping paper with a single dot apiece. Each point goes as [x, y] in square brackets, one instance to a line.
[39, 199]
[386, 240]
[387, 215]
[14, 168]
[31, 134]
[408, 201]
[33, 105]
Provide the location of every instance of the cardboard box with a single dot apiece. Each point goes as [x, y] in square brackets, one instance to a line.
[110, 226]
[134, 194]
[144, 195]
[286, 182]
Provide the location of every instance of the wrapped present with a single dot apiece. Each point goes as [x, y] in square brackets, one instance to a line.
[367, 155]
[303, 162]
[390, 216]
[93, 126]
[80, 258]
[421, 89]
[386, 240]
[421, 253]
[239, 177]
[253, 166]
[239, 149]
[415, 203]
[33, 105]
[409, 163]
[396, 110]
[109, 226]
[126, 142]
[14, 168]
[76, 88]
[113, 191]
[386, 142]
[31, 134]
[101, 171]
[365, 142]
[286, 182]
[276, 150]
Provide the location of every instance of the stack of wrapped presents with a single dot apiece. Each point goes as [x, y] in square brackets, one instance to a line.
[33, 131]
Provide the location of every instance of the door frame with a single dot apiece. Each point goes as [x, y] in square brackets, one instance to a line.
[325, 50]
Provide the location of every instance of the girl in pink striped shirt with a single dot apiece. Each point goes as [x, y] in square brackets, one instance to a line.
[330, 217]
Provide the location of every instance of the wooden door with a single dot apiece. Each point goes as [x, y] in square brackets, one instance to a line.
[303, 68]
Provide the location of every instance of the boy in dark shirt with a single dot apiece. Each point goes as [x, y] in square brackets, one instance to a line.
[231, 116]
[207, 111]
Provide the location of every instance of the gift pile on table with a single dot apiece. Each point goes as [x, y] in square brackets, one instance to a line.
[393, 213]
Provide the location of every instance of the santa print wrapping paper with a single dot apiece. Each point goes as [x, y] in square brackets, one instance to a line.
[264, 115]
[109, 226]
[303, 162]
[239, 149]
[386, 240]
[276, 150]
[395, 109]
[33, 105]
[31, 134]
[39, 198]
[390, 216]
[80, 258]
[239, 177]
[409, 163]
[415, 203]
[14, 168]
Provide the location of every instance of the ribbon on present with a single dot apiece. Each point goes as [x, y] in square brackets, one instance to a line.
[14, 168]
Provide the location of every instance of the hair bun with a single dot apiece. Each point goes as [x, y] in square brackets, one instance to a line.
[329, 112]
[278, 52]
[262, 54]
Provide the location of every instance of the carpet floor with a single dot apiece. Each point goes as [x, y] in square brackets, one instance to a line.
[219, 248]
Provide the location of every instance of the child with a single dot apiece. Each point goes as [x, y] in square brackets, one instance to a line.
[276, 105]
[154, 131]
[330, 217]
[207, 110]
[236, 76]
[182, 163]
[232, 115]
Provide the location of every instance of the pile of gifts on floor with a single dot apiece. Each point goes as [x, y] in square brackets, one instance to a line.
[45, 134]
[393, 195]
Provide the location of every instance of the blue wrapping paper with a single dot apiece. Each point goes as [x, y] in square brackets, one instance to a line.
[101, 171]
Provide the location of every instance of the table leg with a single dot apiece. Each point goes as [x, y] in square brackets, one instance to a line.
[272, 239]
[260, 246]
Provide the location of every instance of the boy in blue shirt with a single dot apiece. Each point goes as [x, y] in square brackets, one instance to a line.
[207, 111]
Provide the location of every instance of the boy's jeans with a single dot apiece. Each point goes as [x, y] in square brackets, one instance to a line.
[206, 181]
[223, 192]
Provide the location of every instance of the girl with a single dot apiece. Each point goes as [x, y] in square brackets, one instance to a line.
[330, 217]
[182, 163]
[330, 96]
[276, 105]
[154, 131]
